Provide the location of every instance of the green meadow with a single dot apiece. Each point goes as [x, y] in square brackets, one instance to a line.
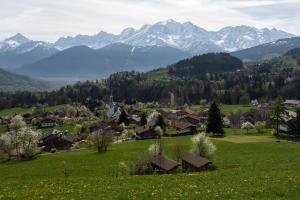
[246, 168]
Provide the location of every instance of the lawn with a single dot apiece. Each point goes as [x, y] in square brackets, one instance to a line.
[251, 170]
[15, 111]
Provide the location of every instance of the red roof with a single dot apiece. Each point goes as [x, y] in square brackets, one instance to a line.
[183, 125]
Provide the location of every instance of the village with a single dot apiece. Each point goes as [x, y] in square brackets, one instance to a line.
[70, 127]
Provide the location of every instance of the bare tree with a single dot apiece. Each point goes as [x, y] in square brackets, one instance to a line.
[178, 151]
[101, 139]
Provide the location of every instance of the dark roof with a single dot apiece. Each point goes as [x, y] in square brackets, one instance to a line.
[195, 117]
[164, 163]
[183, 125]
[194, 160]
[57, 134]
[142, 129]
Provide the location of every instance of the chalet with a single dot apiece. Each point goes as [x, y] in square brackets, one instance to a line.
[56, 139]
[134, 111]
[182, 113]
[193, 163]
[194, 119]
[61, 112]
[145, 132]
[99, 127]
[185, 128]
[134, 119]
[164, 164]
[254, 115]
[49, 122]
[292, 102]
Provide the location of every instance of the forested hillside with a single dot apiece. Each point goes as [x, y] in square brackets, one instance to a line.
[219, 81]
[14, 82]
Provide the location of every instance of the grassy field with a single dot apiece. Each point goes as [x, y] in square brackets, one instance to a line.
[245, 170]
[14, 111]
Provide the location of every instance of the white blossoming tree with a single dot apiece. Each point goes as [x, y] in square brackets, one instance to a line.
[23, 142]
[202, 146]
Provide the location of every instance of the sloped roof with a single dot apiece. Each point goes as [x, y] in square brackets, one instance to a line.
[183, 125]
[164, 163]
[194, 160]
[142, 129]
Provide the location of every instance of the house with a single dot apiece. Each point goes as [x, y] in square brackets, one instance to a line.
[145, 132]
[99, 127]
[49, 122]
[134, 119]
[193, 163]
[292, 102]
[182, 113]
[164, 164]
[185, 128]
[195, 119]
[56, 139]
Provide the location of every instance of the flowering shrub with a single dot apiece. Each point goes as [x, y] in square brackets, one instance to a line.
[23, 142]
[202, 146]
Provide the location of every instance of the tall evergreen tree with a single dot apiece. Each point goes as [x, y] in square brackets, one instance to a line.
[277, 109]
[298, 121]
[123, 118]
[143, 119]
[215, 124]
[160, 122]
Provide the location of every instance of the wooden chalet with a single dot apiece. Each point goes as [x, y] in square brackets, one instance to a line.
[185, 128]
[182, 113]
[145, 132]
[49, 122]
[56, 139]
[193, 163]
[195, 119]
[164, 164]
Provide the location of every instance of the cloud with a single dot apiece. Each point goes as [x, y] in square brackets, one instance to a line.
[48, 20]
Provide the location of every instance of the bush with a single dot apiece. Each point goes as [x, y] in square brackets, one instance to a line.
[202, 146]
[259, 126]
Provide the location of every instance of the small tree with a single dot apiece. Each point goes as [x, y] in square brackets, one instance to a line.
[155, 149]
[277, 109]
[152, 119]
[259, 126]
[143, 119]
[17, 123]
[101, 140]
[202, 146]
[247, 126]
[215, 124]
[178, 151]
[24, 142]
[158, 131]
[123, 118]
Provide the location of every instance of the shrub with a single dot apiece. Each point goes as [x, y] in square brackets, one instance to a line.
[202, 146]
[259, 126]
[247, 126]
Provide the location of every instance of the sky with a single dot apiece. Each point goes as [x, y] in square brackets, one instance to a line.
[50, 19]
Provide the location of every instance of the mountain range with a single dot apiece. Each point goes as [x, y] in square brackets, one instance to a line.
[184, 36]
[83, 62]
[150, 47]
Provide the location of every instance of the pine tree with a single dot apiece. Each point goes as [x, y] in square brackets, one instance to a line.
[298, 121]
[143, 119]
[123, 118]
[277, 109]
[215, 124]
[160, 122]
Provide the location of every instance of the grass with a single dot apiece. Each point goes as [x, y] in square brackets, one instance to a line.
[20, 111]
[256, 170]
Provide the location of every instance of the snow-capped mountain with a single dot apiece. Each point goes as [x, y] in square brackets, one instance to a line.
[19, 50]
[184, 36]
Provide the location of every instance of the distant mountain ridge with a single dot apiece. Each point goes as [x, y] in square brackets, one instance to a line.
[269, 50]
[84, 62]
[184, 36]
[19, 50]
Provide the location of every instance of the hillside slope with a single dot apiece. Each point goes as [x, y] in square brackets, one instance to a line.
[269, 50]
[14, 82]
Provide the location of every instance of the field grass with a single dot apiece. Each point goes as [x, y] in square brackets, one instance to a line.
[20, 111]
[256, 170]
